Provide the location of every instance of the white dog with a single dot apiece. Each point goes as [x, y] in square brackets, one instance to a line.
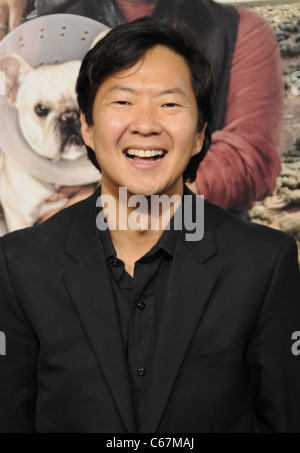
[50, 122]
[49, 119]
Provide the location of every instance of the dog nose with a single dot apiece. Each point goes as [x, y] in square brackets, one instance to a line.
[75, 140]
[70, 115]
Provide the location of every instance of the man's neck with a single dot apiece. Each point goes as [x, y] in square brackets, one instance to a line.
[130, 244]
[135, 9]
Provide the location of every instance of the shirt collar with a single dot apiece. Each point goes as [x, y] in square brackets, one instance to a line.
[167, 242]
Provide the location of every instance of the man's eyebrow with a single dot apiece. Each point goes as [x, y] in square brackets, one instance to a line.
[123, 88]
[127, 89]
[173, 91]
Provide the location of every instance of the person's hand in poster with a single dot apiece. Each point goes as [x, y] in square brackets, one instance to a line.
[11, 15]
[72, 194]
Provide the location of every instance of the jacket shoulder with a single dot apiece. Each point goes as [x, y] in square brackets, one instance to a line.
[257, 242]
[50, 235]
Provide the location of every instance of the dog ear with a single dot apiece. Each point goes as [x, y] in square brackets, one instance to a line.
[14, 70]
[99, 37]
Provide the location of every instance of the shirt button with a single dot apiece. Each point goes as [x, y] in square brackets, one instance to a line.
[141, 305]
[141, 372]
[115, 263]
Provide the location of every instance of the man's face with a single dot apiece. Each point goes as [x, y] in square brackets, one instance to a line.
[146, 125]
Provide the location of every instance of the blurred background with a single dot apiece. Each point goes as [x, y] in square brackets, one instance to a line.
[280, 210]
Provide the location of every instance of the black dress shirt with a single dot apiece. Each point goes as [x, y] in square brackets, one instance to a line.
[139, 303]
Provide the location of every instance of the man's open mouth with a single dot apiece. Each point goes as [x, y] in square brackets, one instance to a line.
[150, 155]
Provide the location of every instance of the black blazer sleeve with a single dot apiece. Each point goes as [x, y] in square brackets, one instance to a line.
[273, 369]
[18, 368]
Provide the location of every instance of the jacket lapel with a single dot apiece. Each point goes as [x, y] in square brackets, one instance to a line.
[189, 292]
[88, 284]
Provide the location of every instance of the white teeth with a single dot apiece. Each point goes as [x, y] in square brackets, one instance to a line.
[147, 153]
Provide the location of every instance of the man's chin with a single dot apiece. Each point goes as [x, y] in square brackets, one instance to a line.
[146, 192]
[146, 188]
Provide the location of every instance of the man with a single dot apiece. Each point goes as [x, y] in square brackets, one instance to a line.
[141, 329]
[244, 160]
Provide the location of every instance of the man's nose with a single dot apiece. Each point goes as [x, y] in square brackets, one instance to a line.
[146, 122]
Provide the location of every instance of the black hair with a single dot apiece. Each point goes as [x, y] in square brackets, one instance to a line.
[124, 46]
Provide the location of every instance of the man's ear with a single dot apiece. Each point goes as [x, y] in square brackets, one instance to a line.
[86, 132]
[199, 141]
[15, 70]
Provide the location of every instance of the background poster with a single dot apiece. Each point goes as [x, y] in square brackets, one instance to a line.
[282, 210]
[42, 150]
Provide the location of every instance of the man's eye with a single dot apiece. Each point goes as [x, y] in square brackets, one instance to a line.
[170, 105]
[122, 103]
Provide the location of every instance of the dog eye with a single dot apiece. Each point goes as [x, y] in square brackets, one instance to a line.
[41, 110]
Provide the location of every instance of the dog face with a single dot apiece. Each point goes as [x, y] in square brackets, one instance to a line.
[46, 102]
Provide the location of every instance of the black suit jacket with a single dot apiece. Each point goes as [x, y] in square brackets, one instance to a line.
[223, 359]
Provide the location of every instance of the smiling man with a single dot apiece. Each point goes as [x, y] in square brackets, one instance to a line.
[125, 330]
[145, 129]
